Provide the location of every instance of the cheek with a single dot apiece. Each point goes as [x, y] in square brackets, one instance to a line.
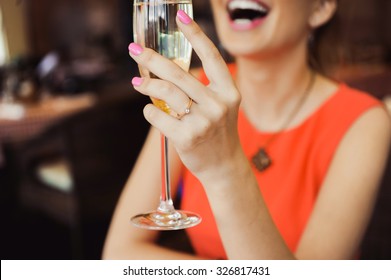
[291, 20]
[217, 7]
[286, 26]
[220, 18]
[291, 28]
[295, 12]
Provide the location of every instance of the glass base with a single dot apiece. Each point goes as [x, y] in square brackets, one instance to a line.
[173, 220]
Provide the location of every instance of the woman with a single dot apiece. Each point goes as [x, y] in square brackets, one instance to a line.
[275, 157]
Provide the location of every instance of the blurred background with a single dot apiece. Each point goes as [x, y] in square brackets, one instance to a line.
[71, 125]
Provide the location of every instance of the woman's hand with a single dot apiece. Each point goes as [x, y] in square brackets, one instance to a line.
[206, 138]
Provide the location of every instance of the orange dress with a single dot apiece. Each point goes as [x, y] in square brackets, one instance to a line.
[301, 157]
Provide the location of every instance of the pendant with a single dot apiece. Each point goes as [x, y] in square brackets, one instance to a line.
[261, 160]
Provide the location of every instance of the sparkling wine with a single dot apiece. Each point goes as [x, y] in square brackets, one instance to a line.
[154, 26]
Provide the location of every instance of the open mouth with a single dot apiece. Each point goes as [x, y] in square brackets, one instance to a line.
[246, 12]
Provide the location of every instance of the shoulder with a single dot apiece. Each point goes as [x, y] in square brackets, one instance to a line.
[347, 105]
[365, 110]
[375, 122]
[350, 99]
[352, 117]
[362, 120]
[349, 94]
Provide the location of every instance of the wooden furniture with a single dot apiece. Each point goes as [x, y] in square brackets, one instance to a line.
[19, 122]
[99, 146]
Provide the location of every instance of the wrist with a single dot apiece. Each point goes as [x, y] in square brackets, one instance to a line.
[230, 173]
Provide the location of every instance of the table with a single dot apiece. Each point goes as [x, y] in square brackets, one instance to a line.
[20, 122]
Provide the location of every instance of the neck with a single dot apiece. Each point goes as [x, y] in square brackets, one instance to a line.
[271, 87]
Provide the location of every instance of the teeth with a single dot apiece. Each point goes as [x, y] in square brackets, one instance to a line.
[242, 21]
[245, 4]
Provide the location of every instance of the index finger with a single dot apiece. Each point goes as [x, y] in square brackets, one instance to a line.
[212, 62]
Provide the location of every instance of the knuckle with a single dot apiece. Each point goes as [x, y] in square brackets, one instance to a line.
[212, 54]
[146, 84]
[166, 88]
[220, 111]
[146, 87]
[195, 135]
[178, 74]
[186, 143]
[196, 31]
[235, 99]
[206, 126]
[147, 56]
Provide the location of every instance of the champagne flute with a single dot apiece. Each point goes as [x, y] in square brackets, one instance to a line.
[154, 26]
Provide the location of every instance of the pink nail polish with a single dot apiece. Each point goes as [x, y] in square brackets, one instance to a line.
[137, 81]
[135, 49]
[183, 17]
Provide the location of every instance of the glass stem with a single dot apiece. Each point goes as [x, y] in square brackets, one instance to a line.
[166, 204]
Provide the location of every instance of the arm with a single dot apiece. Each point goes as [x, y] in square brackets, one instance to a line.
[208, 144]
[347, 197]
[141, 193]
[342, 210]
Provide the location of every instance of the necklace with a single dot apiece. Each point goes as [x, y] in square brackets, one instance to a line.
[261, 159]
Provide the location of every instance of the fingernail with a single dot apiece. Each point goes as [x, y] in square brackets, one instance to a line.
[183, 17]
[135, 49]
[137, 81]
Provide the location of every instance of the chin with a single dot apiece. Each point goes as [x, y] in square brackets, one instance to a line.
[245, 46]
[240, 50]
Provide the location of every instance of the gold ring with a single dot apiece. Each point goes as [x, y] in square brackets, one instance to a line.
[187, 110]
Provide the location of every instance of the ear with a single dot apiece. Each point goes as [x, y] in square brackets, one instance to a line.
[322, 13]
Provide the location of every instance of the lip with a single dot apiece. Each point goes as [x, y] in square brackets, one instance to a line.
[247, 25]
